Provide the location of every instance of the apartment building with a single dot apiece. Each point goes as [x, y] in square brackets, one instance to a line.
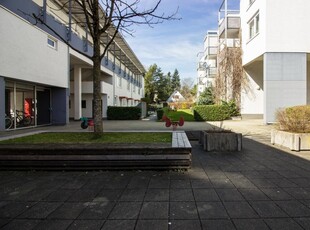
[41, 77]
[207, 65]
[275, 53]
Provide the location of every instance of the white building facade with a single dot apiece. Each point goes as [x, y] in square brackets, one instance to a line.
[43, 78]
[275, 54]
[207, 65]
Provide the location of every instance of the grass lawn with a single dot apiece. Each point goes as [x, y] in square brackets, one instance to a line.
[89, 138]
[186, 113]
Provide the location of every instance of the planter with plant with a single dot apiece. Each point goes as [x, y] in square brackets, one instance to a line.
[220, 140]
[293, 128]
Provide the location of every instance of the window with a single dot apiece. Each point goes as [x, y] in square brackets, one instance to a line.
[119, 81]
[52, 43]
[254, 26]
[83, 104]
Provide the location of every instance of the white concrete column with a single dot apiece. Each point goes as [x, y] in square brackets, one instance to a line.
[285, 82]
[77, 92]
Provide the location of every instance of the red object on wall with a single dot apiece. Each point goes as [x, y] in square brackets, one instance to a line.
[27, 106]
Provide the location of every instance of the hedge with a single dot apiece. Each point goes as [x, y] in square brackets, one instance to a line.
[123, 113]
[211, 113]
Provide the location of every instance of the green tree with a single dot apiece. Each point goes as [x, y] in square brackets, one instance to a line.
[149, 82]
[175, 81]
[162, 85]
[206, 97]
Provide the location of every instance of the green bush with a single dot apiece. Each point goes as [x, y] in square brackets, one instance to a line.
[294, 119]
[123, 113]
[160, 113]
[232, 108]
[211, 113]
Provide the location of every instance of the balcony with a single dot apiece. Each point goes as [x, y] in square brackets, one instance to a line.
[233, 27]
[229, 20]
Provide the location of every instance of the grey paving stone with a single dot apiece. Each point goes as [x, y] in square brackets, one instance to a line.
[243, 183]
[60, 195]
[220, 224]
[86, 225]
[41, 210]
[205, 195]
[83, 195]
[3, 222]
[282, 224]
[294, 208]
[152, 225]
[138, 183]
[35, 194]
[108, 195]
[267, 209]
[283, 183]
[97, 210]
[304, 222]
[133, 195]
[240, 209]
[201, 184]
[126, 210]
[183, 211]
[250, 224]
[298, 193]
[74, 184]
[229, 195]
[211, 210]
[181, 195]
[263, 183]
[159, 183]
[277, 194]
[69, 210]
[154, 210]
[222, 183]
[184, 225]
[115, 184]
[119, 225]
[302, 182]
[253, 194]
[182, 184]
[18, 224]
[53, 224]
[157, 195]
[13, 209]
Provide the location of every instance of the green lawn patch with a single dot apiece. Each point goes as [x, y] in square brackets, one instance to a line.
[187, 114]
[69, 138]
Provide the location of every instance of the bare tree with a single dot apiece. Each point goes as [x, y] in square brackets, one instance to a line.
[106, 20]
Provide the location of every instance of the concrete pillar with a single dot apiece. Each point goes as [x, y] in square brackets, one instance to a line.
[285, 82]
[77, 92]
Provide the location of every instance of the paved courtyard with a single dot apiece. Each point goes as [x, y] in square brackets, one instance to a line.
[259, 188]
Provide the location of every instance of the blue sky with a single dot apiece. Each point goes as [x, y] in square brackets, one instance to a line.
[175, 44]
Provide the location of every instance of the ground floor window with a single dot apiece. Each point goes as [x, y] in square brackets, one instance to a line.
[26, 105]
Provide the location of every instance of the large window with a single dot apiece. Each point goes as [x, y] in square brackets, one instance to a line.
[254, 26]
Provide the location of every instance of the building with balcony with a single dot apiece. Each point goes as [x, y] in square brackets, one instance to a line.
[207, 65]
[43, 78]
[275, 54]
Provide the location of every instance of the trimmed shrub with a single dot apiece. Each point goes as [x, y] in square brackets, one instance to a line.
[232, 108]
[294, 119]
[210, 113]
[123, 113]
[160, 113]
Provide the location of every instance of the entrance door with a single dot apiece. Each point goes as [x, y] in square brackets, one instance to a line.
[43, 106]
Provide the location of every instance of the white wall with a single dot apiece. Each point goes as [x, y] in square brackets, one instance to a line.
[255, 47]
[25, 54]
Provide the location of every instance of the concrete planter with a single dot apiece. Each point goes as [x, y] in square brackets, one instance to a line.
[221, 141]
[293, 141]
